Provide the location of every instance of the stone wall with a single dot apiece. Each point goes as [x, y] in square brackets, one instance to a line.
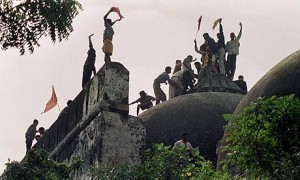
[96, 126]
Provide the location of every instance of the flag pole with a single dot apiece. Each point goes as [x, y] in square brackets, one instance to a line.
[196, 34]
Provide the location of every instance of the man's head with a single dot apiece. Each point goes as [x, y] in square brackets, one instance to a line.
[185, 136]
[168, 69]
[109, 21]
[197, 65]
[190, 57]
[143, 93]
[42, 130]
[232, 36]
[219, 35]
[36, 122]
[69, 102]
[241, 77]
[178, 62]
[206, 36]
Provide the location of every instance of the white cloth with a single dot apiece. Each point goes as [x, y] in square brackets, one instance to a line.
[177, 78]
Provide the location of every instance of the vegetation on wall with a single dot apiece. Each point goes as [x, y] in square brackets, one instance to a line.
[265, 139]
[163, 163]
[37, 166]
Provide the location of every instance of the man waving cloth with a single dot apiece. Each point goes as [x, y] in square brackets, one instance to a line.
[109, 33]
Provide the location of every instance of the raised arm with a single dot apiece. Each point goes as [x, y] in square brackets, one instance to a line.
[90, 41]
[196, 47]
[105, 17]
[240, 33]
[220, 28]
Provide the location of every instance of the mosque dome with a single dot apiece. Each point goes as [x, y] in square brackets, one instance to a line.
[199, 114]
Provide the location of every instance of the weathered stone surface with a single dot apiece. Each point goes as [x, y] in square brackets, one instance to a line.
[199, 114]
[97, 126]
[110, 140]
[283, 79]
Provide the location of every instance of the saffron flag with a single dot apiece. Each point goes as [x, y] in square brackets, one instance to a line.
[199, 22]
[117, 10]
[52, 102]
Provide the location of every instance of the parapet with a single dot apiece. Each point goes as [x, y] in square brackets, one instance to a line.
[97, 126]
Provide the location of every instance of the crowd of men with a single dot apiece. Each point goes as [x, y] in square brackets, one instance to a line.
[213, 60]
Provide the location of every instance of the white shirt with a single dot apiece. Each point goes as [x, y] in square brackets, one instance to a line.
[232, 47]
[185, 145]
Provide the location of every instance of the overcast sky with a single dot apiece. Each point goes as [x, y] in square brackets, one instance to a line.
[152, 35]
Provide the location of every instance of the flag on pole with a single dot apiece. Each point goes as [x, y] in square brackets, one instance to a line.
[52, 102]
[199, 22]
[117, 10]
[216, 22]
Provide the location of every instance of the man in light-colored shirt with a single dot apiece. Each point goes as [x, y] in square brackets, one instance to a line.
[178, 79]
[183, 143]
[232, 49]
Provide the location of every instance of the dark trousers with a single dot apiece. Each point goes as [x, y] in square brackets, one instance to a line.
[231, 65]
[187, 82]
[205, 72]
[87, 72]
[28, 144]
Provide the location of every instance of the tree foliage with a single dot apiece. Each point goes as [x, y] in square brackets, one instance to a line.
[265, 139]
[37, 166]
[163, 163]
[22, 24]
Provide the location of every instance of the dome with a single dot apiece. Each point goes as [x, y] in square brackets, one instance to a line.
[199, 114]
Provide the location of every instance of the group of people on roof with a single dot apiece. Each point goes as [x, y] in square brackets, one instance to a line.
[213, 61]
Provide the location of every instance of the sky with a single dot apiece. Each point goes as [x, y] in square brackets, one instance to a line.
[152, 35]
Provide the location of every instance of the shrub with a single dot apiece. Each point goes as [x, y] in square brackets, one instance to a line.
[37, 166]
[163, 163]
[265, 139]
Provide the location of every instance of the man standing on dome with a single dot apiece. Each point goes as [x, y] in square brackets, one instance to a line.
[210, 42]
[241, 84]
[188, 74]
[232, 49]
[221, 47]
[164, 77]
